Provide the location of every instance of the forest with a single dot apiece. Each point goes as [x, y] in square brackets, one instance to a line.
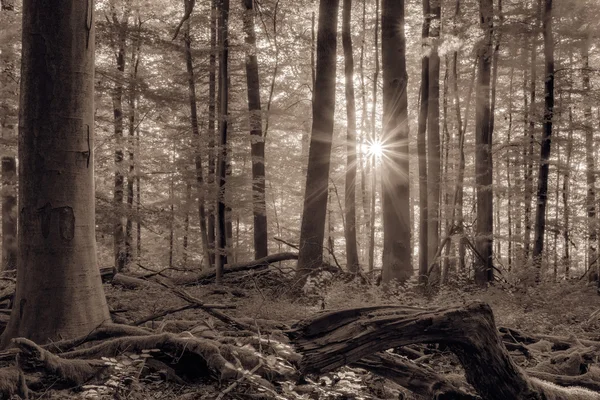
[312, 199]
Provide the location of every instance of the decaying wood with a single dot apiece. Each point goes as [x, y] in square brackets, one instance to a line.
[331, 340]
[417, 379]
[238, 267]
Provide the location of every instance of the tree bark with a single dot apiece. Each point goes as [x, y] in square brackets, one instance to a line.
[9, 165]
[317, 175]
[9, 213]
[422, 148]
[200, 189]
[212, 117]
[350, 186]
[120, 36]
[132, 98]
[221, 232]
[433, 144]
[374, 139]
[256, 134]
[542, 189]
[589, 150]
[531, 136]
[59, 292]
[483, 153]
[397, 251]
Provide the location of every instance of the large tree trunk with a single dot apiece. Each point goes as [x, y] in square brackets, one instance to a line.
[317, 174]
[397, 251]
[483, 153]
[542, 189]
[257, 141]
[422, 148]
[200, 189]
[350, 187]
[221, 233]
[374, 139]
[119, 36]
[59, 292]
[433, 145]
[9, 165]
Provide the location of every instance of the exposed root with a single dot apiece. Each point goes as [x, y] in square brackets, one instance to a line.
[12, 382]
[33, 358]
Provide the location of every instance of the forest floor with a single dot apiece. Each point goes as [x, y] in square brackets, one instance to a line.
[566, 309]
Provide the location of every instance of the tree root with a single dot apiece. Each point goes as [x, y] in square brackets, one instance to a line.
[34, 359]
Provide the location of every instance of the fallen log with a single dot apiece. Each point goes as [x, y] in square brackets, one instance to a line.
[331, 340]
[261, 263]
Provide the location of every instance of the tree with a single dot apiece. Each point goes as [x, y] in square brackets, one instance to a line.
[256, 135]
[542, 189]
[119, 43]
[350, 187]
[422, 148]
[57, 270]
[312, 228]
[397, 264]
[221, 234]
[433, 144]
[589, 150]
[483, 153]
[200, 189]
[9, 165]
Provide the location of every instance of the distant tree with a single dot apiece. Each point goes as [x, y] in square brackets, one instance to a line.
[483, 153]
[397, 263]
[350, 191]
[542, 189]
[312, 228]
[200, 189]
[257, 144]
[119, 42]
[59, 293]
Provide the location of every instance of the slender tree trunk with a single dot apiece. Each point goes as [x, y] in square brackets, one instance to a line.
[186, 222]
[138, 199]
[589, 150]
[212, 117]
[363, 161]
[433, 145]
[350, 186]
[9, 165]
[483, 152]
[566, 193]
[374, 140]
[200, 189]
[59, 293]
[542, 190]
[509, 193]
[120, 36]
[172, 222]
[422, 147]
[257, 141]
[132, 97]
[317, 175]
[531, 133]
[221, 232]
[397, 260]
